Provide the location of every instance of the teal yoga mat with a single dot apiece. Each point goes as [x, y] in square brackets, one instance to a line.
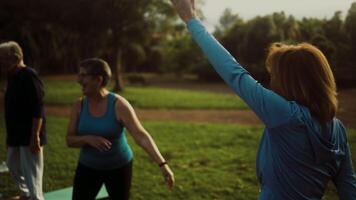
[66, 193]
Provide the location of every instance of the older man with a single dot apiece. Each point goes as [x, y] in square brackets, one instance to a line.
[25, 122]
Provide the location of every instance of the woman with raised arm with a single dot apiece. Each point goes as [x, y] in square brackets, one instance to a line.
[304, 146]
[96, 126]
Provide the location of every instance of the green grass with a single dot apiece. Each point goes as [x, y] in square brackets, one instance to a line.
[59, 92]
[210, 161]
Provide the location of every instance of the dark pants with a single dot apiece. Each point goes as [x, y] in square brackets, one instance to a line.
[88, 181]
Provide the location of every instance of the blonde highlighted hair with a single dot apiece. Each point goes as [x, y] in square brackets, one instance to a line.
[302, 73]
[11, 51]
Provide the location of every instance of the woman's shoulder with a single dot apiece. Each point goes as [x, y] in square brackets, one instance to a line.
[116, 96]
[339, 127]
[119, 100]
[298, 114]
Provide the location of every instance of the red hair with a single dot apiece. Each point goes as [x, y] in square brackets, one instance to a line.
[302, 73]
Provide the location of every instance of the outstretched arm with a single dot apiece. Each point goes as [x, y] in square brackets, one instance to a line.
[126, 114]
[271, 108]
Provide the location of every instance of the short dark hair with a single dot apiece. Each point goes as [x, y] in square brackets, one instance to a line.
[97, 66]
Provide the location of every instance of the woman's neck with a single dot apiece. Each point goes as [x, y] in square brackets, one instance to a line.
[99, 96]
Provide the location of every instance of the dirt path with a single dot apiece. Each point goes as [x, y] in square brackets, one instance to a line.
[347, 113]
[347, 109]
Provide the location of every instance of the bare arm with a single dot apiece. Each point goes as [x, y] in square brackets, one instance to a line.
[126, 114]
[76, 141]
[35, 145]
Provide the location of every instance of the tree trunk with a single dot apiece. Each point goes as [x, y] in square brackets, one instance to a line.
[118, 87]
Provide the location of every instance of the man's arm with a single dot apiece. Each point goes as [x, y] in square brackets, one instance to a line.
[35, 143]
[35, 93]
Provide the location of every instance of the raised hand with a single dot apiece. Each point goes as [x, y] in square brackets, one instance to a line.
[185, 9]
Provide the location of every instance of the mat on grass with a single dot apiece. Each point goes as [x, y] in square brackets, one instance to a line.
[66, 193]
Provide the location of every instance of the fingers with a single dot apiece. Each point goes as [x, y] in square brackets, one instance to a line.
[100, 143]
[35, 146]
[35, 149]
[170, 181]
[185, 9]
[104, 145]
[168, 176]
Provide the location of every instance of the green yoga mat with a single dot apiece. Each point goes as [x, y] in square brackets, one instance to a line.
[66, 194]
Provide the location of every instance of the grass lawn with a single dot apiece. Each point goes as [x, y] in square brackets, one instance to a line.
[60, 92]
[210, 161]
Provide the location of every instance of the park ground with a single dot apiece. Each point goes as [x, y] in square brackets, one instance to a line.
[346, 97]
[208, 135]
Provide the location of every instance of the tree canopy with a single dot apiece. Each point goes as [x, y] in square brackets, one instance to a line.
[147, 36]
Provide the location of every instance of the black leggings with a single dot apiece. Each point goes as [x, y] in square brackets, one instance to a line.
[88, 181]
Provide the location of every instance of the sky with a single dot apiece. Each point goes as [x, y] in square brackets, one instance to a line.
[248, 9]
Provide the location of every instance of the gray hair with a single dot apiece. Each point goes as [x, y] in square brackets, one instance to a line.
[11, 51]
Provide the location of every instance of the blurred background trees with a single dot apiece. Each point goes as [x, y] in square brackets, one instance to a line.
[146, 36]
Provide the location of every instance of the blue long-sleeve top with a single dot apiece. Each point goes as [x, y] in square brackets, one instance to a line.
[297, 155]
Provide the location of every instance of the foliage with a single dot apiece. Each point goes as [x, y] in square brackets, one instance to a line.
[248, 41]
[147, 36]
[57, 34]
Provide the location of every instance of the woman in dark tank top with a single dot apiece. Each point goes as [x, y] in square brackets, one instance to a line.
[96, 126]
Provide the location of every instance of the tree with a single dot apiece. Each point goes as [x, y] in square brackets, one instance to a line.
[261, 32]
[57, 34]
[233, 37]
[350, 27]
[226, 22]
[309, 27]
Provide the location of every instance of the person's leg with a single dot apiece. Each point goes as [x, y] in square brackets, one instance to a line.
[13, 163]
[32, 169]
[118, 182]
[87, 183]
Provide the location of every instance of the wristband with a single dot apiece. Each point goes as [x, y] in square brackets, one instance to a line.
[162, 163]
